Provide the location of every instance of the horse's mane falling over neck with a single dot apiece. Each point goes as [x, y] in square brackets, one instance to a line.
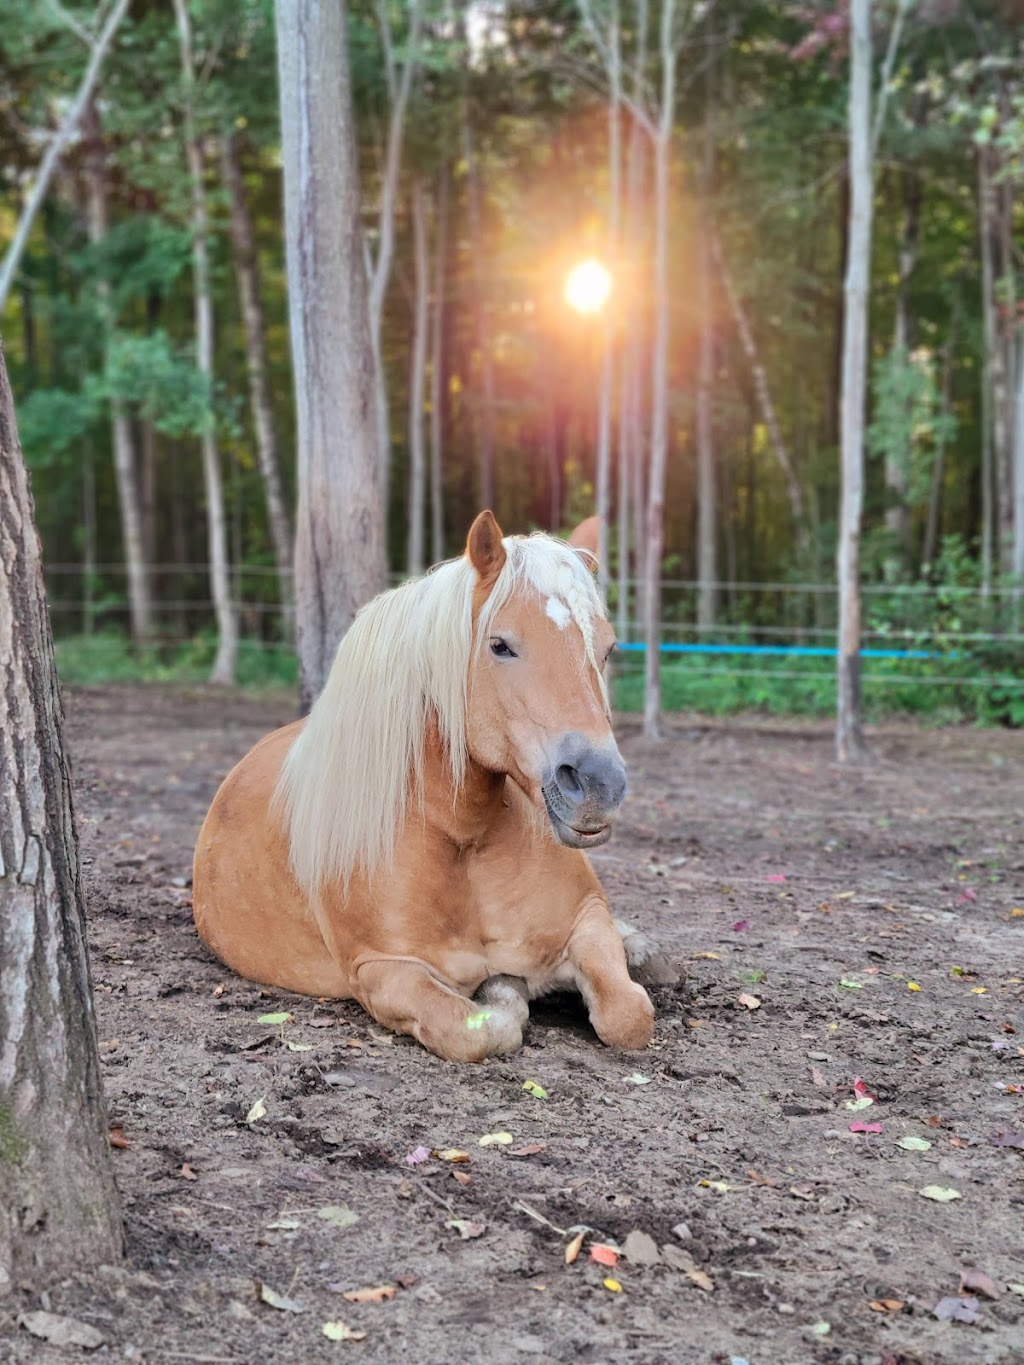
[345, 784]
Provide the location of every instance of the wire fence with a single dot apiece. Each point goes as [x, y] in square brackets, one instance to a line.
[773, 635]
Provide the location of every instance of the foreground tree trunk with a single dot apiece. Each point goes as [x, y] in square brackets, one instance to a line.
[417, 382]
[223, 671]
[129, 501]
[339, 550]
[251, 306]
[849, 732]
[706, 502]
[58, 1205]
[437, 373]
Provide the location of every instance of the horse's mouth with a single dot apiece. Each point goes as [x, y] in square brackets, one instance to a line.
[571, 836]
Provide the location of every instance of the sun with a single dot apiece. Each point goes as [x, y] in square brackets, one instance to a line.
[588, 286]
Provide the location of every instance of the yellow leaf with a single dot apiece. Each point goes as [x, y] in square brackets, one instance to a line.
[708, 957]
[341, 1331]
[573, 1249]
[496, 1140]
[913, 986]
[613, 1285]
[979, 990]
[452, 1154]
[258, 1111]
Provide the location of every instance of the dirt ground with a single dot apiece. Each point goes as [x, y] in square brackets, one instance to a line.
[877, 916]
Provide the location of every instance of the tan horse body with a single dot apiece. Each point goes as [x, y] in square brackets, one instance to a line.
[478, 888]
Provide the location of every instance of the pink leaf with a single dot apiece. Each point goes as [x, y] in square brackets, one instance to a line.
[865, 1127]
[861, 1090]
[776, 877]
[741, 926]
[417, 1155]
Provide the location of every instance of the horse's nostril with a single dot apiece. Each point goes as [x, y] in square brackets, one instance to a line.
[569, 783]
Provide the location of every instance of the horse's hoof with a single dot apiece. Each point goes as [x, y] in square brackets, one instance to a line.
[647, 963]
[509, 993]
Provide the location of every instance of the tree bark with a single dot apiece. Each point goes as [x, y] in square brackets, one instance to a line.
[140, 597]
[50, 162]
[417, 382]
[931, 532]
[223, 672]
[897, 472]
[659, 382]
[254, 325]
[991, 395]
[849, 731]
[486, 425]
[59, 1209]
[340, 543]
[437, 371]
[607, 382]
[706, 505]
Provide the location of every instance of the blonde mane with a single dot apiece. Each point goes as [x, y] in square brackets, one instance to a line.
[345, 785]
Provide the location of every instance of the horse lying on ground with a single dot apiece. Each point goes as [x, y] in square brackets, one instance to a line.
[420, 837]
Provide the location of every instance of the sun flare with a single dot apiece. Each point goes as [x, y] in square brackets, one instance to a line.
[588, 286]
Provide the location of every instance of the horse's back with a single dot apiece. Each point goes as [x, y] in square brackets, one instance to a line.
[248, 908]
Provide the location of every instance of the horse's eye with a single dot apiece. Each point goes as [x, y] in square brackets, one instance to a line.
[502, 650]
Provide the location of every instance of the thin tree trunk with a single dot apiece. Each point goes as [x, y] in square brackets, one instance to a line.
[1017, 566]
[59, 1208]
[607, 382]
[931, 531]
[991, 405]
[140, 599]
[88, 540]
[659, 383]
[1008, 483]
[849, 732]
[399, 89]
[417, 381]
[223, 672]
[340, 559]
[794, 490]
[254, 325]
[50, 162]
[437, 371]
[482, 311]
[706, 506]
[897, 472]
[148, 493]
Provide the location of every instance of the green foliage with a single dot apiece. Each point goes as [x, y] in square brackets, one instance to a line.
[108, 656]
[152, 372]
[908, 422]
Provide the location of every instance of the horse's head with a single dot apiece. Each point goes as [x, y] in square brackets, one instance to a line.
[538, 709]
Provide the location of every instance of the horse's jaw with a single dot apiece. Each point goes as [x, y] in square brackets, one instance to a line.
[570, 836]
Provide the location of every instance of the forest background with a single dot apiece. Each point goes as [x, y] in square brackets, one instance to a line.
[500, 144]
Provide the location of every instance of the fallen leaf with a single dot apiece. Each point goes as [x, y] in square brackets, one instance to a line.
[741, 926]
[537, 1091]
[282, 1017]
[700, 1278]
[1016, 1289]
[187, 1173]
[338, 1215]
[979, 990]
[531, 1149]
[572, 1249]
[61, 1331]
[719, 1186]
[939, 1193]
[820, 1329]
[417, 1155]
[914, 1144]
[751, 1001]
[298, 1047]
[279, 1301]
[952, 1309]
[452, 1154]
[1008, 1139]
[640, 1248]
[604, 1255]
[117, 1138]
[380, 1293]
[861, 1091]
[802, 1191]
[859, 1127]
[913, 986]
[496, 1140]
[322, 1021]
[612, 1285]
[776, 878]
[708, 957]
[976, 1281]
[760, 1179]
[850, 985]
[284, 1225]
[639, 1079]
[465, 1228]
[817, 1077]
[461, 1177]
[861, 1102]
[341, 1331]
[886, 1305]
[258, 1111]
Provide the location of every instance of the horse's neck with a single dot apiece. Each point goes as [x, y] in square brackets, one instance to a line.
[479, 802]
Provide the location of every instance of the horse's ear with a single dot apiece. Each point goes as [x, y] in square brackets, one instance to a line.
[484, 548]
[587, 537]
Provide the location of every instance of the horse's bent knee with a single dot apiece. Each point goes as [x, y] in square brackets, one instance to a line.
[626, 1019]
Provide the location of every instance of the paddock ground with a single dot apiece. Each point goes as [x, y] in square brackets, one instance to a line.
[766, 872]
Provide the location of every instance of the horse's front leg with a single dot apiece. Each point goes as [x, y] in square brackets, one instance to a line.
[404, 996]
[619, 1008]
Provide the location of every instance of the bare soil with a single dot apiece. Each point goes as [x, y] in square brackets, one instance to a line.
[828, 896]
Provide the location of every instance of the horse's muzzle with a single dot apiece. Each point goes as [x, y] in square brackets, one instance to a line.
[583, 791]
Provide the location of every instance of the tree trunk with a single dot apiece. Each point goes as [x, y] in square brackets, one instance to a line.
[607, 381]
[1010, 493]
[340, 543]
[486, 426]
[1017, 565]
[931, 531]
[50, 162]
[59, 1209]
[88, 539]
[849, 732]
[437, 372]
[223, 672]
[659, 380]
[140, 598]
[255, 328]
[417, 382]
[991, 398]
[399, 89]
[706, 508]
[897, 471]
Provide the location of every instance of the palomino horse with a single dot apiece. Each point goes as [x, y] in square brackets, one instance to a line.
[421, 834]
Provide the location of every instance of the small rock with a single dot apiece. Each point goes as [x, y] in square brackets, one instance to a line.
[529, 1345]
[819, 1056]
[785, 1308]
[640, 1248]
[831, 1133]
[61, 1331]
[832, 1203]
[682, 1231]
